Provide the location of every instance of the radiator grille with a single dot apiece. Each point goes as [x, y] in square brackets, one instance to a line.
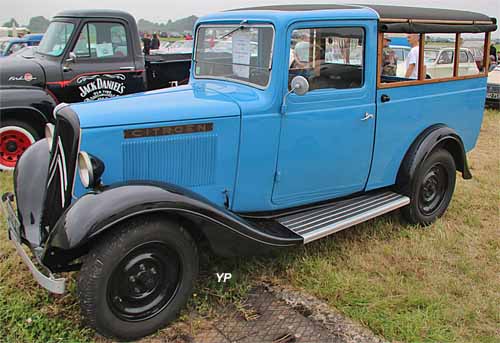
[186, 161]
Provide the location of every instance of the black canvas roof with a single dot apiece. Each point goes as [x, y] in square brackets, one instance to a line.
[406, 19]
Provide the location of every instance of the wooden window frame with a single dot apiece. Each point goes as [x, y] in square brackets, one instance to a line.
[421, 77]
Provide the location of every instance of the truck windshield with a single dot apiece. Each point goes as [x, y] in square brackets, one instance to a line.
[243, 55]
[55, 39]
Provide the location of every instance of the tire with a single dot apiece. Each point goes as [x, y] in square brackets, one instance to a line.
[137, 278]
[431, 189]
[15, 138]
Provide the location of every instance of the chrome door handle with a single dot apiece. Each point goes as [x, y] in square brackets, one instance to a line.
[367, 116]
[127, 68]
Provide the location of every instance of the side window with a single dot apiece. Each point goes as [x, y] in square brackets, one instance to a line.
[471, 58]
[471, 43]
[399, 54]
[328, 57]
[101, 41]
[446, 57]
[463, 57]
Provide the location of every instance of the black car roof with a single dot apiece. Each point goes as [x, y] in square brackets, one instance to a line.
[405, 19]
[387, 12]
[96, 14]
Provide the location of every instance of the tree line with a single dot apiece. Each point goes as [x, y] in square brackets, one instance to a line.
[39, 24]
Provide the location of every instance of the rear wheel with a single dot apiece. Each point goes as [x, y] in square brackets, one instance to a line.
[431, 189]
[138, 278]
[15, 138]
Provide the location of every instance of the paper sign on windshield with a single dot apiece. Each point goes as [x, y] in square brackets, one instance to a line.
[241, 54]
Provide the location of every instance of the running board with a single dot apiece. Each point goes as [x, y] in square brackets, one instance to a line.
[321, 222]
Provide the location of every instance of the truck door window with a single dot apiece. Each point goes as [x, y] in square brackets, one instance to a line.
[328, 57]
[101, 41]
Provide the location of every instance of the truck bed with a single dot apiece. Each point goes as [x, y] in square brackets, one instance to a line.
[167, 70]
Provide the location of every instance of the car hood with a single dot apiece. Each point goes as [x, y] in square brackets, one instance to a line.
[189, 102]
[19, 71]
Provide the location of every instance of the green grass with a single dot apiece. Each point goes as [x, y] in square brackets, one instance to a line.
[411, 284]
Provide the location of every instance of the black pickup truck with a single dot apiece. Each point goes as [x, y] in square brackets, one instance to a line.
[84, 55]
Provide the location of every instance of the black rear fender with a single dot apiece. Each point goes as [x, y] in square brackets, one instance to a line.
[96, 213]
[434, 137]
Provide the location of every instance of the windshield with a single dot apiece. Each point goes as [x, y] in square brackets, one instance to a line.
[55, 39]
[239, 54]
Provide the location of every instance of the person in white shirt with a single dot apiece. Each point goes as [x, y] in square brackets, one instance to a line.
[411, 62]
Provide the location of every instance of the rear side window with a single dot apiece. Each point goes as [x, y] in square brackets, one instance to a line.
[328, 57]
[101, 41]
[463, 57]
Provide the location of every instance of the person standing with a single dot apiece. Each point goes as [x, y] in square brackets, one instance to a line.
[389, 59]
[493, 53]
[146, 41]
[155, 42]
[411, 62]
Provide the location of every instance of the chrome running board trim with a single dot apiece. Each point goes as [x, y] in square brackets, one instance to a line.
[318, 223]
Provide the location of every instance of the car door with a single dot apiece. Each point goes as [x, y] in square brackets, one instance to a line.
[101, 63]
[326, 137]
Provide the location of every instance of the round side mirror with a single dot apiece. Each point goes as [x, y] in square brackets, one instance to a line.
[300, 85]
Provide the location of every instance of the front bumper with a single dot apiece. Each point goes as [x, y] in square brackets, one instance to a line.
[46, 279]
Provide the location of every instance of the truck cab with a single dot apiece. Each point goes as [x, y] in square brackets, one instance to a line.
[287, 132]
[85, 55]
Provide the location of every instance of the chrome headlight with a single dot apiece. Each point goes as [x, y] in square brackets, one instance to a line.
[49, 134]
[90, 169]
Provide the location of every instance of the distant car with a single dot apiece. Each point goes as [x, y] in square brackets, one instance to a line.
[476, 47]
[439, 62]
[493, 88]
[163, 49]
[12, 45]
[26, 52]
[179, 47]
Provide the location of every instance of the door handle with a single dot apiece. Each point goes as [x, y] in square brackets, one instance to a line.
[127, 68]
[367, 116]
[385, 98]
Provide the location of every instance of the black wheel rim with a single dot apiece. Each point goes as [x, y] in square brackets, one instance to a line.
[433, 189]
[144, 282]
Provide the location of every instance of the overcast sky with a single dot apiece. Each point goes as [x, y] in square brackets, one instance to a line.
[163, 10]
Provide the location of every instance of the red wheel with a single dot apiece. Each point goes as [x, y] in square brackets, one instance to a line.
[14, 140]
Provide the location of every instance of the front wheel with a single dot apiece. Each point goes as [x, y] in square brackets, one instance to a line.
[137, 279]
[431, 188]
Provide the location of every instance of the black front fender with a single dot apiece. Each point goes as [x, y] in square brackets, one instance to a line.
[96, 212]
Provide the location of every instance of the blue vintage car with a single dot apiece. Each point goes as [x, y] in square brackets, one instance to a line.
[12, 45]
[264, 149]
